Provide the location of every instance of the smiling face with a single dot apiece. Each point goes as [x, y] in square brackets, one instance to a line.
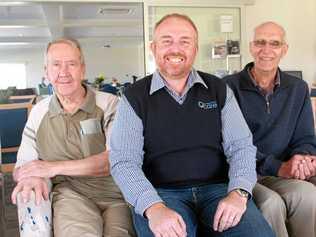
[268, 47]
[64, 69]
[174, 47]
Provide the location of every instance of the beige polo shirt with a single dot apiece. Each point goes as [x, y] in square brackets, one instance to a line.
[54, 135]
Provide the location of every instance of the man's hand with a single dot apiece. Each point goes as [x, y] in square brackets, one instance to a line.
[35, 168]
[165, 222]
[298, 167]
[25, 186]
[229, 211]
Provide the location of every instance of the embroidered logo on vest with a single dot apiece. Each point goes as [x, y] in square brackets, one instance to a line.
[207, 105]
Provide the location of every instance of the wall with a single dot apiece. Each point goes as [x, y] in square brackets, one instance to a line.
[298, 18]
[120, 62]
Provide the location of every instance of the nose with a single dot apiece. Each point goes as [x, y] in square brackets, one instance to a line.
[64, 68]
[176, 46]
[266, 48]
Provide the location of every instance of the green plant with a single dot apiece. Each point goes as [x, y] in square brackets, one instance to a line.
[99, 80]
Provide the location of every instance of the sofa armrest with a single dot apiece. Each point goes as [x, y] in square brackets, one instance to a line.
[35, 221]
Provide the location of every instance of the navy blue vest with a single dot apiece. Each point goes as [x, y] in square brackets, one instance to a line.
[182, 143]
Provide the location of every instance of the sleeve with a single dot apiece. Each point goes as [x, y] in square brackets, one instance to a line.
[238, 146]
[303, 139]
[109, 113]
[28, 150]
[267, 164]
[126, 159]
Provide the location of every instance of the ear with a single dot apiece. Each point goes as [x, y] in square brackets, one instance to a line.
[285, 48]
[83, 70]
[153, 47]
[46, 73]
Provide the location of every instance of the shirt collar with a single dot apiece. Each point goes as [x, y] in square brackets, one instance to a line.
[277, 80]
[158, 81]
[88, 104]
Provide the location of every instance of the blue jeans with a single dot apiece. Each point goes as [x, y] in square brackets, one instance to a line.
[197, 206]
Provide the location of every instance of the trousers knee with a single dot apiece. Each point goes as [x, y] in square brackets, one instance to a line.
[273, 203]
[301, 196]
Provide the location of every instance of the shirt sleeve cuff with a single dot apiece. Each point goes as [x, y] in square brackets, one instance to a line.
[145, 201]
[242, 184]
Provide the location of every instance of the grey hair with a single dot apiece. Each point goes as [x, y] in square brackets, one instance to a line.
[271, 23]
[70, 41]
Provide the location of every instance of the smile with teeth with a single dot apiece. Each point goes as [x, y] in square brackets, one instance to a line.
[175, 59]
[266, 58]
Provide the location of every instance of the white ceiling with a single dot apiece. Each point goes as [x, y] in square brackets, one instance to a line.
[25, 24]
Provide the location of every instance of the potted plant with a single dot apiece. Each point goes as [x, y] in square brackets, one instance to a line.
[98, 81]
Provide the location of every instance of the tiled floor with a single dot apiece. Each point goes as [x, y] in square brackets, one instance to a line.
[9, 220]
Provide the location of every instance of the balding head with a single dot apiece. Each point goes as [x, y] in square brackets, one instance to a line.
[268, 47]
[270, 26]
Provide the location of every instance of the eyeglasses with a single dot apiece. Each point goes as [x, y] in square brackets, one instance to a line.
[274, 44]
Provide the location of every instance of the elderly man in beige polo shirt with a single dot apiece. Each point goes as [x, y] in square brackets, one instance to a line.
[65, 140]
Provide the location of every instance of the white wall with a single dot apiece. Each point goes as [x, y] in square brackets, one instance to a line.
[111, 62]
[33, 60]
[298, 18]
[114, 62]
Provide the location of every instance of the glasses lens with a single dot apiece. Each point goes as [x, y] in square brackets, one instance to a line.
[275, 44]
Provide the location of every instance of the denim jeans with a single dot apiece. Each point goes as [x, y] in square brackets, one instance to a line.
[197, 206]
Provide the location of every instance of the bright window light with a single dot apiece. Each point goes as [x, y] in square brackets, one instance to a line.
[12, 74]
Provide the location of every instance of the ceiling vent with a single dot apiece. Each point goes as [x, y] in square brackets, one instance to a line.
[114, 11]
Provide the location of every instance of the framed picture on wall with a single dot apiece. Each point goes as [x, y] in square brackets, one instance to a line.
[219, 49]
[233, 47]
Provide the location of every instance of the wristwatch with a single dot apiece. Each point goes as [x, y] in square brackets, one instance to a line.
[242, 193]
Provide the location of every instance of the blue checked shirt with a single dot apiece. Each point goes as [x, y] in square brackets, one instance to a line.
[127, 141]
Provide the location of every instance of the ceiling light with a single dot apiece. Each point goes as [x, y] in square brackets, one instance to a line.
[114, 11]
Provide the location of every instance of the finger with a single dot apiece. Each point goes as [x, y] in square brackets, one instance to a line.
[294, 168]
[157, 234]
[307, 172]
[236, 220]
[310, 167]
[182, 226]
[38, 196]
[297, 174]
[45, 191]
[14, 193]
[302, 174]
[176, 233]
[312, 157]
[224, 222]
[25, 193]
[217, 217]
[298, 158]
[230, 221]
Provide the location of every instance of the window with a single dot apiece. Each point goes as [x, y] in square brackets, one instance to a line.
[12, 74]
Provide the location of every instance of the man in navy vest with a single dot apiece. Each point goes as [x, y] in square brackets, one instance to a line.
[181, 151]
[278, 110]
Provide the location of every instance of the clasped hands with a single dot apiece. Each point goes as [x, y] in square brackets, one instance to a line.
[301, 167]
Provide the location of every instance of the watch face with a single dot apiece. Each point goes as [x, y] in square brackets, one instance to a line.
[242, 193]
